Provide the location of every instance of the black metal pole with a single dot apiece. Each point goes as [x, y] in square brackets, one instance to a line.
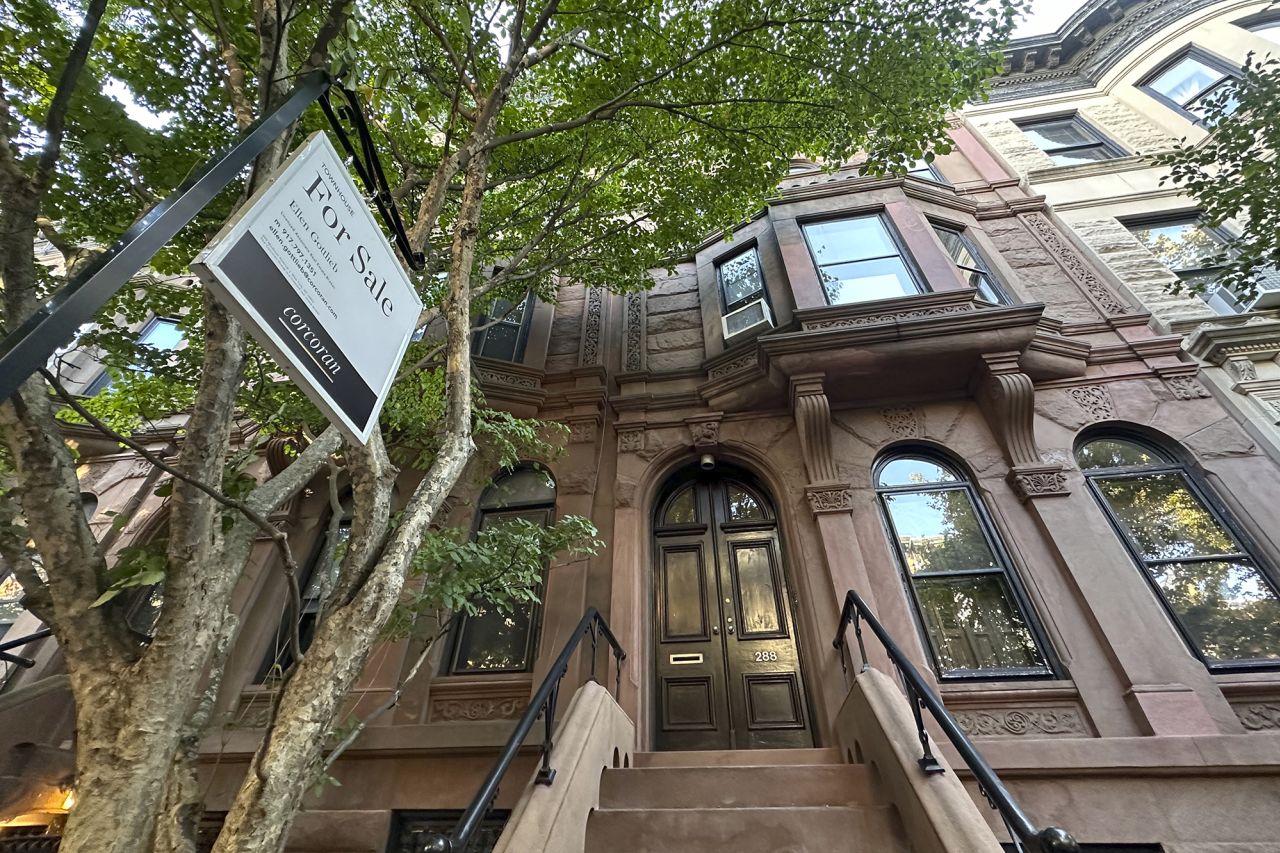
[28, 347]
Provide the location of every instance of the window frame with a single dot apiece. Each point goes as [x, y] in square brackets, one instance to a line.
[1101, 140]
[1007, 568]
[922, 165]
[1267, 20]
[1170, 464]
[918, 279]
[725, 306]
[1003, 297]
[534, 639]
[1194, 52]
[102, 381]
[1189, 217]
[522, 333]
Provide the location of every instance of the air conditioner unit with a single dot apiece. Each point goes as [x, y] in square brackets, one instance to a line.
[747, 317]
[1266, 295]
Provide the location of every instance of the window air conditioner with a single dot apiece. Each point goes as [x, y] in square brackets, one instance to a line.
[1266, 296]
[747, 317]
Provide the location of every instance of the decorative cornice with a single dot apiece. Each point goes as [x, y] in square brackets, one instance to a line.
[1215, 343]
[887, 311]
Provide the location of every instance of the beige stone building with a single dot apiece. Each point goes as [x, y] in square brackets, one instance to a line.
[927, 389]
[1078, 113]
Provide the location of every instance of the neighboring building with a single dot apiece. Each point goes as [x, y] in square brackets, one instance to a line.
[920, 388]
[1078, 113]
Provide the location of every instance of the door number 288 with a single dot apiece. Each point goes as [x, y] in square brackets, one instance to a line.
[766, 656]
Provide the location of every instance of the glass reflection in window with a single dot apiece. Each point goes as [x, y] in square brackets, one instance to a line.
[858, 260]
[743, 506]
[683, 508]
[1215, 590]
[973, 621]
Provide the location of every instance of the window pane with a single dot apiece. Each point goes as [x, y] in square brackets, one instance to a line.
[986, 288]
[756, 590]
[1185, 79]
[906, 471]
[322, 576]
[1165, 519]
[745, 318]
[1227, 608]
[1058, 134]
[740, 278]
[957, 247]
[683, 509]
[743, 506]
[973, 624]
[883, 278]
[1081, 155]
[493, 640]
[1115, 453]
[161, 334]
[1178, 245]
[939, 531]
[144, 613]
[849, 239]
[500, 342]
[522, 486]
[1269, 31]
[10, 601]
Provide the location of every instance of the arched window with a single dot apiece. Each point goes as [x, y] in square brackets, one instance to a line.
[1219, 595]
[489, 640]
[957, 572]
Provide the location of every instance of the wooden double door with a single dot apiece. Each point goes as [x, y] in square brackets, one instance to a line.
[727, 666]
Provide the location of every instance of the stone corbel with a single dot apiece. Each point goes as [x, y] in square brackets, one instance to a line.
[704, 431]
[813, 422]
[829, 497]
[1007, 398]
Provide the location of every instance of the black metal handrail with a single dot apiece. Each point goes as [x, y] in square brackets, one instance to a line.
[543, 704]
[26, 663]
[1051, 839]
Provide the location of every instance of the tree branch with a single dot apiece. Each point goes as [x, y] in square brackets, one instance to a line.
[55, 121]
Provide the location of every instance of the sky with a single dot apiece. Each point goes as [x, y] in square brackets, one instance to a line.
[1045, 17]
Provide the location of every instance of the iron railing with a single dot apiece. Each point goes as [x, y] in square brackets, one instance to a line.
[7, 657]
[31, 844]
[542, 705]
[1026, 836]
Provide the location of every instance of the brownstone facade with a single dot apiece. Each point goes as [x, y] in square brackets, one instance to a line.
[1105, 713]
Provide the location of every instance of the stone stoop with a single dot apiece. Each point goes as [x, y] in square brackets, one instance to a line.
[743, 801]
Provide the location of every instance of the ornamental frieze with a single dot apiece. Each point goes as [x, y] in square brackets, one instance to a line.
[1258, 716]
[1022, 722]
[477, 710]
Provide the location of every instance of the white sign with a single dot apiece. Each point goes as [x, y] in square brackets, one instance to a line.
[306, 268]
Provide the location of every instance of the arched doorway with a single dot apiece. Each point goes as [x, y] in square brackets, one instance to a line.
[727, 667]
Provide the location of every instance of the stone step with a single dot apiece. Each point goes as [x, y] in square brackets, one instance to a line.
[738, 787]
[737, 758]
[748, 830]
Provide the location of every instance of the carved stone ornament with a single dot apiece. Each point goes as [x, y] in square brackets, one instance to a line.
[1039, 481]
[829, 498]
[1186, 387]
[704, 433]
[633, 333]
[476, 710]
[742, 362]
[631, 440]
[1258, 716]
[813, 421]
[1075, 265]
[591, 323]
[1095, 400]
[1007, 397]
[877, 319]
[1022, 722]
[582, 431]
[515, 380]
[902, 421]
[1242, 369]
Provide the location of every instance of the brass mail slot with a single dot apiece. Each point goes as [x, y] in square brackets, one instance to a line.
[686, 658]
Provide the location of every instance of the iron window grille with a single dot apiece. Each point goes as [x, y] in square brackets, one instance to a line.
[504, 329]
[1179, 536]
[1069, 140]
[860, 259]
[1188, 80]
[958, 557]
[968, 260]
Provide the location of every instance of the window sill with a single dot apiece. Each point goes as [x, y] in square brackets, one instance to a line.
[1027, 687]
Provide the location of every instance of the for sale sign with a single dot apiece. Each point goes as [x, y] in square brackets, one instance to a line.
[306, 268]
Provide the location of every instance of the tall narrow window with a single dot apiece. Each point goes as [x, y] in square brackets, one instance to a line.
[858, 260]
[1189, 80]
[505, 329]
[742, 292]
[1217, 593]
[957, 573]
[973, 269]
[318, 578]
[160, 333]
[490, 640]
[1069, 140]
